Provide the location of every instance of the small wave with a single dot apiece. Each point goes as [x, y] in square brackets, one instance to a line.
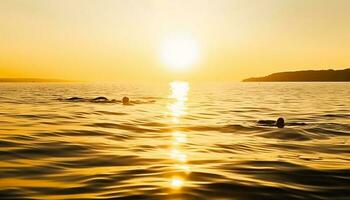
[51, 149]
[339, 115]
[105, 161]
[285, 134]
[102, 112]
[129, 127]
[233, 128]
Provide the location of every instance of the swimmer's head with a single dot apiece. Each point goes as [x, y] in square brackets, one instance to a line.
[280, 122]
[125, 100]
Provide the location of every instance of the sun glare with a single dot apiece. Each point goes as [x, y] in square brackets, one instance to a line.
[179, 53]
[176, 183]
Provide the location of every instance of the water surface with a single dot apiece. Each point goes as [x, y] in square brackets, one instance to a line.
[196, 141]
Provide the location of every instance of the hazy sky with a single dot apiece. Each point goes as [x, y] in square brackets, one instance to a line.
[107, 40]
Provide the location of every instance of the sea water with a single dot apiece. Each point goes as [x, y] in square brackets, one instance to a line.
[176, 140]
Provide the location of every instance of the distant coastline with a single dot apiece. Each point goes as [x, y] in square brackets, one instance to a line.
[30, 80]
[305, 76]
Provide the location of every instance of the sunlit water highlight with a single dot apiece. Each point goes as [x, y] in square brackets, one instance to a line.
[197, 141]
[179, 92]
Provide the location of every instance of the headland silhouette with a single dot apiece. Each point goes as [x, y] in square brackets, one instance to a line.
[305, 76]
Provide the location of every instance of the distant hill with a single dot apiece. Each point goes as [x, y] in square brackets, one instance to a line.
[305, 76]
[30, 80]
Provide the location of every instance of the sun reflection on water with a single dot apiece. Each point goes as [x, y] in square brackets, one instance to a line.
[179, 138]
[179, 92]
[176, 182]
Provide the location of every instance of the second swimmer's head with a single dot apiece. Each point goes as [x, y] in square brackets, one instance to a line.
[125, 100]
[280, 122]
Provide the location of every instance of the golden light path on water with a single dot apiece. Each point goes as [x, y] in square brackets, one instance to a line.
[179, 93]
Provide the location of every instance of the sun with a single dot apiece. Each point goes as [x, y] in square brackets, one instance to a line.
[179, 53]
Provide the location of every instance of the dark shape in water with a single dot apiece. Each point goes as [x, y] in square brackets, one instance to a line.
[100, 99]
[126, 100]
[103, 100]
[279, 123]
[75, 99]
[267, 122]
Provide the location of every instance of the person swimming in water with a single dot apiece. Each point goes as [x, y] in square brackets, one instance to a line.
[280, 123]
[100, 99]
[126, 100]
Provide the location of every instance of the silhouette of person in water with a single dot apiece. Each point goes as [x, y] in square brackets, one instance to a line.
[102, 99]
[280, 123]
[99, 99]
[126, 100]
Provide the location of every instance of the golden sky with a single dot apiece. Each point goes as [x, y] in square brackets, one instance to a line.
[121, 40]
